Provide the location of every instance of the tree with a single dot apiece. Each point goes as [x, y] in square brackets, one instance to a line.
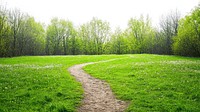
[32, 37]
[118, 42]
[20, 34]
[169, 29]
[83, 34]
[159, 43]
[15, 19]
[100, 31]
[141, 35]
[94, 35]
[187, 42]
[5, 31]
[59, 34]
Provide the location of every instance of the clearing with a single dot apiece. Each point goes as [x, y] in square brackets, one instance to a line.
[148, 82]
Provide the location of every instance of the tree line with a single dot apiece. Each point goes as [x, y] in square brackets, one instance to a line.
[20, 35]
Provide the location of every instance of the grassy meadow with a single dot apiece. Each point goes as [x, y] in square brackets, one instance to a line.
[153, 82]
[148, 82]
[41, 83]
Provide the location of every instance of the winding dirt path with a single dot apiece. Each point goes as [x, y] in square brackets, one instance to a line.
[98, 96]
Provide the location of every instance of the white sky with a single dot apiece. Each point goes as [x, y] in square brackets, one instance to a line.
[116, 12]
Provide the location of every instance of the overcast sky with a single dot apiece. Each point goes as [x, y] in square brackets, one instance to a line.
[116, 12]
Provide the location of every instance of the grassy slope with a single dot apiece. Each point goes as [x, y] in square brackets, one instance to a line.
[41, 83]
[153, 82]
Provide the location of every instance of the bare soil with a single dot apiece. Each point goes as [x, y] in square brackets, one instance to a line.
[98, 96]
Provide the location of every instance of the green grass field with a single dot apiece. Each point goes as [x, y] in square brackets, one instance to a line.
[148, 82]
[153, 82]
[41, 83]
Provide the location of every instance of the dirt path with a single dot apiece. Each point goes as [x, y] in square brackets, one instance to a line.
[98, 96]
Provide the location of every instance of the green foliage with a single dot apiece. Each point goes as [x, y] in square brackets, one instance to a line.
[31, 37]
[41, 83]
[142, 34]
[153, 82]
[118, 43]
[61, 38]
[5, 31]
[187, 42]
[94, 35]
[20, 34]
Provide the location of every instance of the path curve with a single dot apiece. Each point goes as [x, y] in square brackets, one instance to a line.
[98, 96]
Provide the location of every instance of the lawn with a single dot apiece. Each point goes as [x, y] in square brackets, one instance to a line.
[153, 82]
[41, 83]
[148, 82]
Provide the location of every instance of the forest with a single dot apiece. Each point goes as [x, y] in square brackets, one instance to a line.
[21, 34]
